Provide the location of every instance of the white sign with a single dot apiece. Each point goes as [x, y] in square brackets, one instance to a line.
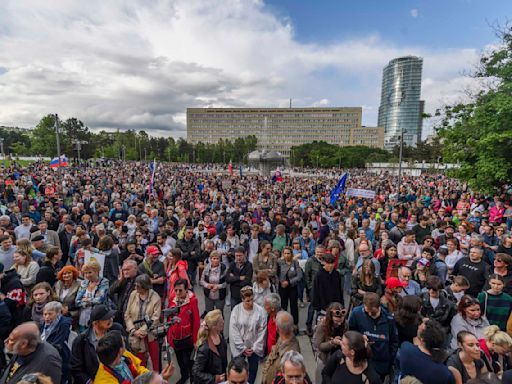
[98, 257]
[366, 193]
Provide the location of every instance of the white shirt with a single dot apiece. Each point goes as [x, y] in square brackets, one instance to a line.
[247, 329]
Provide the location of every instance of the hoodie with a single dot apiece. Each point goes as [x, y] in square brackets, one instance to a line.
[382, 336]
[178, 272]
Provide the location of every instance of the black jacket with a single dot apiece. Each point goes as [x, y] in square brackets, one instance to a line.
[208, 363]
[65, 243]
[15, 297]
[233, 278]
[187, 247]
[84, 360]
[45, 360]
[47, 273]
[444, 311]
[119, 292]
[326, 289]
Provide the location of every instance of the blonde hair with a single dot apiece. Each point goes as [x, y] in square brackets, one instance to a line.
[498, 337]
[25, 245]
[410, 380]
[210, 320]
[93, 266]
[27, 255]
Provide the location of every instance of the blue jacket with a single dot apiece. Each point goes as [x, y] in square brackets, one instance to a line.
[58, 337]
[382, 336]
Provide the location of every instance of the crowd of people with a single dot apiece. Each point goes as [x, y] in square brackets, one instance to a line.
[106, 273]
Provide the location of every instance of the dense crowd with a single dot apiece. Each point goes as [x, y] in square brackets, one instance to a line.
[105, 272]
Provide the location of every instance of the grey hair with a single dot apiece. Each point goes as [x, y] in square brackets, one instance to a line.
[145, 378]
[295, 358]
[478, 249]
[131, 261]
[274, 301]
[143, 281]
[477, 237]
[5, 217]
[284, 322]
[53, 306]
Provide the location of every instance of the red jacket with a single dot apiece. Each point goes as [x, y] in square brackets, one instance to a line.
[190, 320]
[179, 272]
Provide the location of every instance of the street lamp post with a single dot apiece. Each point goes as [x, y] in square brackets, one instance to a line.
[58, 140]
[78, 146]
[2, 147]
[400, 162]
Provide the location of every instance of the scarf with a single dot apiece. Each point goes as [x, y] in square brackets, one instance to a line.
[37, 313]
[48, 328]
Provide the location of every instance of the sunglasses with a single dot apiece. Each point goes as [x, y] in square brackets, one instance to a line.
[339, 312]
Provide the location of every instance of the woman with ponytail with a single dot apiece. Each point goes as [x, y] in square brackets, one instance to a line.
[350, 364]
[496, 347]
[211, 356]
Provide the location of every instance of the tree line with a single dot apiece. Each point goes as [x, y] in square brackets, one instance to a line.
[127, 145]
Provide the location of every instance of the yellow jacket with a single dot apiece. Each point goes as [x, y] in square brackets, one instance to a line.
[104, 375]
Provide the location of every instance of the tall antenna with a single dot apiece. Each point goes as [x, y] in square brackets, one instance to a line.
[290, 103]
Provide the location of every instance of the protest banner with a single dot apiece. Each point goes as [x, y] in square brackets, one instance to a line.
[98, 257]
[365, 193]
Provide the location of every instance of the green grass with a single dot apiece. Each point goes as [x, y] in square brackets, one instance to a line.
[21, 163]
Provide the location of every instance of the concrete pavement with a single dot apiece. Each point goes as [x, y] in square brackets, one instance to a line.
[304, 340]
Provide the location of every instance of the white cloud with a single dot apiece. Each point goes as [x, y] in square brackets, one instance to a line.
[140, 64]
[414, 13]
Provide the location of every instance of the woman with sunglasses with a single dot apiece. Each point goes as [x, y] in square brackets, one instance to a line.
[350, 364]
[182, 335]
[327, 336]
[503, 267]
[469, 318]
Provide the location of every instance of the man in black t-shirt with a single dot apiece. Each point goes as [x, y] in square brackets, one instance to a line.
[474, 269]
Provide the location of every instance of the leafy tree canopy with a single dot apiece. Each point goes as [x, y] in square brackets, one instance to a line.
[478, 134]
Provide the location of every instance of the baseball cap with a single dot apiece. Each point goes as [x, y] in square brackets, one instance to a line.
[153, 250]
[423, 261]
[101, 312]
[38, 237]
[394, 282]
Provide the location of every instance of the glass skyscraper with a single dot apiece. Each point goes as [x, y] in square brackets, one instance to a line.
[400, 106]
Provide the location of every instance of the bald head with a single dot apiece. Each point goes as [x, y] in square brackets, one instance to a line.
[23, 339]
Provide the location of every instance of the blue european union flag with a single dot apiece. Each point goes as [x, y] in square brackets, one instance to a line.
[338, 189]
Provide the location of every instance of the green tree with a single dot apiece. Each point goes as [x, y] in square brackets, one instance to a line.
[478, 135]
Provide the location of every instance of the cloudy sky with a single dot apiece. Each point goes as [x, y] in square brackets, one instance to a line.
[140, 63]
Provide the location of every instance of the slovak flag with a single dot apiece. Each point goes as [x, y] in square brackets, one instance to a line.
[54, 163]
[230, 168]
